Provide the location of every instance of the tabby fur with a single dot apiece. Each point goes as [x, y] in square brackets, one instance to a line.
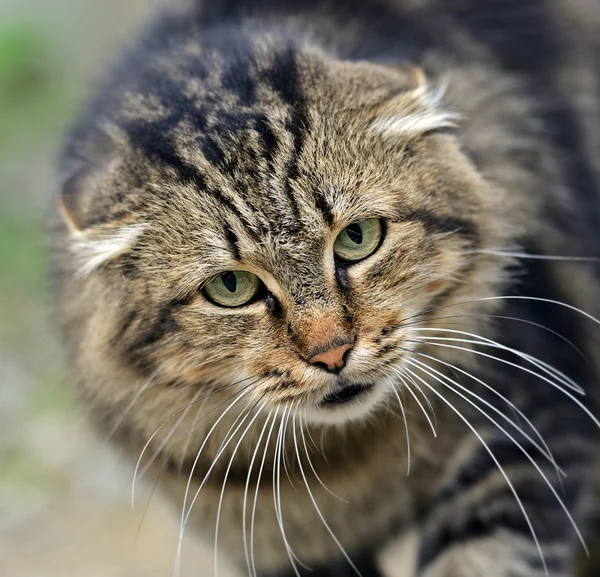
[247, 134]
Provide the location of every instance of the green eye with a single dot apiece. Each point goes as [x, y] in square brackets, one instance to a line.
[233, 288]
[359, 240]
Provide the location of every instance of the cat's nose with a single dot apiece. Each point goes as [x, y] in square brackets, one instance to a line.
[332, 360]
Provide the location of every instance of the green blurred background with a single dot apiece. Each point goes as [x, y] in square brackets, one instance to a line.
[64, 507]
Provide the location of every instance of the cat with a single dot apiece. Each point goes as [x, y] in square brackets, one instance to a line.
[327, 271]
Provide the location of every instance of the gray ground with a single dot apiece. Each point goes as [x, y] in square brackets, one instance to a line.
[64, 498]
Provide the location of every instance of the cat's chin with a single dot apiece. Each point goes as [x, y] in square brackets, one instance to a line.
[349, 403]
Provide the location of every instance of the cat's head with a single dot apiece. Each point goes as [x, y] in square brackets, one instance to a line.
[278, 222]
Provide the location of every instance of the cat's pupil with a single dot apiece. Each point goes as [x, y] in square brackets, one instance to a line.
[355, 233]
[229, 281]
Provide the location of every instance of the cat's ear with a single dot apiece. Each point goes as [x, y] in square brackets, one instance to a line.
[93, 200]
[415, 109]
[85, 176]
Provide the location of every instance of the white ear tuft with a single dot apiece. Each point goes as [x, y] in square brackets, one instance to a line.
[93, 251]
[414, 112]
[415, 123]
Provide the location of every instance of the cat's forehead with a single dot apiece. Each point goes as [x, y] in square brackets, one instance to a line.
[277, 151]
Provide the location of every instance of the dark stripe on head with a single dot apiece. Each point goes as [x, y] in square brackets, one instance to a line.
[212, 151]
[341, 275]
[163, 325]
[324, 207]
[234, 242]
[151, 140]
[284, 79]
[268, 137]
[125, 324]
[441, 223]
[238, 80]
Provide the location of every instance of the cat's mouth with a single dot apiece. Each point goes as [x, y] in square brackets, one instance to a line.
[345, 393]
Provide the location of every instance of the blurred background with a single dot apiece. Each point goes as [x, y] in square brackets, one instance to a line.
[64, 497]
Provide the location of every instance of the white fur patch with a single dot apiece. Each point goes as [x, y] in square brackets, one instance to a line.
[93, 252]
[422, 113]
[415, 123]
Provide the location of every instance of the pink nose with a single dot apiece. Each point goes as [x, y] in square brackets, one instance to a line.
[333, 359]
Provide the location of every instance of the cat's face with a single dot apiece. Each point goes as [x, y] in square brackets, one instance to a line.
[286, 241]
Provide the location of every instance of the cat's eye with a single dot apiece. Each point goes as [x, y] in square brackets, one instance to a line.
[358, 240]
[233, 288]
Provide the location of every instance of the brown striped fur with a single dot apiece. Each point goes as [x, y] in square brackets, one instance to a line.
[247, 136]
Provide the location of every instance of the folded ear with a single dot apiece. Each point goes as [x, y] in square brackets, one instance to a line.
[88, 169]
[95, 199]
[413, 111]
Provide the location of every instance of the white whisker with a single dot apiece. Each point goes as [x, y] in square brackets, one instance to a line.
[544, 449]
[184, 516]
[256, 491]
[504, 297]
[552, 383]
[525, 255]
[505, 317]
[248, 479]
[427, 401]
[314, 502]
[414, 396]
[235, 450]
[423, 367]
[170, 434]
[279, 447]
[548, 369]
[310, 464]
[175, 414]
[497, 463]
[405, 427]
[133, 401]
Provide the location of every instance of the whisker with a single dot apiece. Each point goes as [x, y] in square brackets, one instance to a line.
[429, 405]
[248, 478]
[133, 401]
[425, 369]
[406, 385]
[497, 463]
[552, 383]
[170, 434]
[235, 450]
[544, 449]
[228, 437]
[548, 369]
[310, 464]
[237, 398]
[504, 297]
[168, 457]
[525, 255]
[175, 414]
[188, 438]
[277, 490]
[314, 502]
[405, 427]
[509, 318]
[242, 392]
[312, 440]
[260, 472]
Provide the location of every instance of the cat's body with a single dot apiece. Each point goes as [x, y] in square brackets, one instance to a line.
[246, 136]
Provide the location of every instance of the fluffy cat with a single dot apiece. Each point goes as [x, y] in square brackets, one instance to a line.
[327, 269]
